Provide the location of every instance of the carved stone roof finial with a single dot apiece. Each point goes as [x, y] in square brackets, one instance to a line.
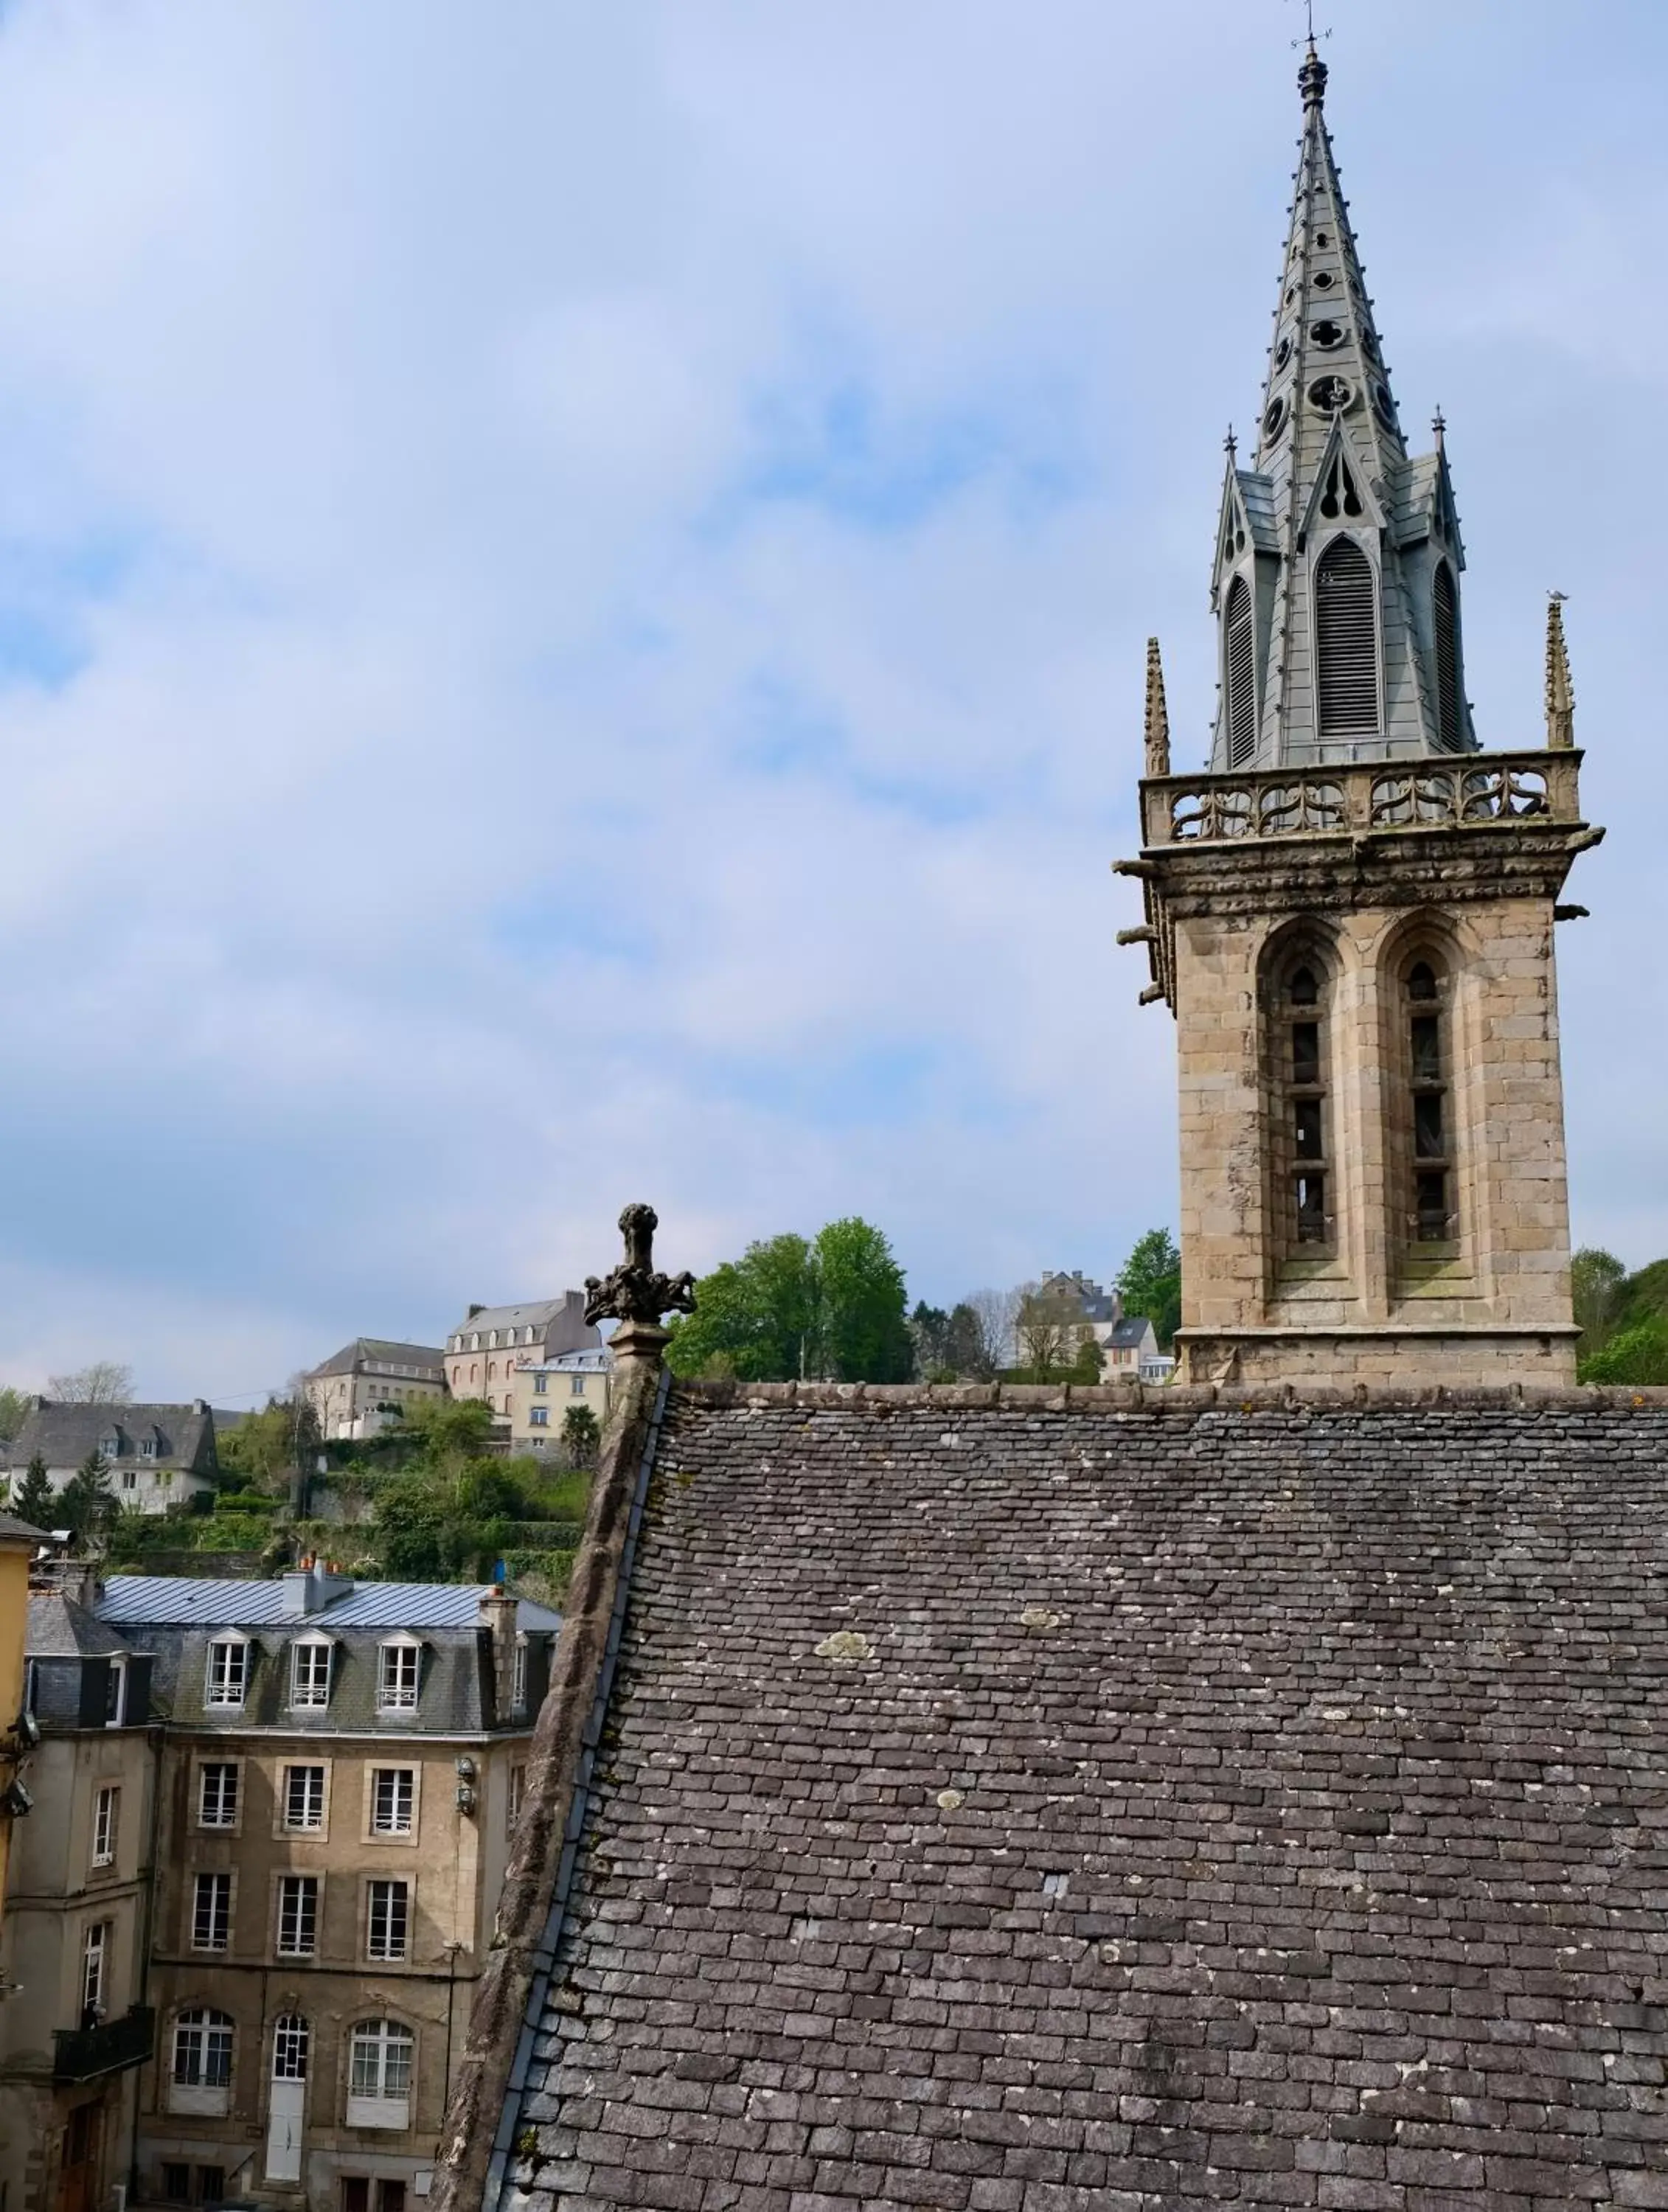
[1560, 692]
[636, 1295]
[1157, 715]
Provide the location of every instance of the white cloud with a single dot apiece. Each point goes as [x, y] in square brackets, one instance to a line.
[571, 603]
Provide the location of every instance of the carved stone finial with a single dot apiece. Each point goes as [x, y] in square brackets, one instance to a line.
[1560, 692]
[1157, 715]
[635, 1294]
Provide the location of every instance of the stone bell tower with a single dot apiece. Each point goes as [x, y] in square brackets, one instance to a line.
[1351, 913]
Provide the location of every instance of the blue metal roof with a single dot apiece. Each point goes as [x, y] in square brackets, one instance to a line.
[181, 1602]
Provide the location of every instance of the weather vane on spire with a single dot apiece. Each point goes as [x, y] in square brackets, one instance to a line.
[1308, 38]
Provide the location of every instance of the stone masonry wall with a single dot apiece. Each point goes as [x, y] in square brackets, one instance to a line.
[1505, 1108]
[1035, 1803]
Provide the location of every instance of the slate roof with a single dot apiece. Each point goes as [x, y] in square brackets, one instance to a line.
[428, 1359]
[181, 1600]
[1051, 1803]
[560, 1323]
[59, 1628]
[64, 1435]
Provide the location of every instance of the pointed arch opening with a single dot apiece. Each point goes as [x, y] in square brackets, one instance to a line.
[1297, 994]
[1346, 642]
[1239, 672]
[1450, 706]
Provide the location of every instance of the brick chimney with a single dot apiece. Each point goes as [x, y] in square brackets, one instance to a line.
[499, 1614]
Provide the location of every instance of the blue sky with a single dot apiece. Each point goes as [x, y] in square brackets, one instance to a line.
[573, 587]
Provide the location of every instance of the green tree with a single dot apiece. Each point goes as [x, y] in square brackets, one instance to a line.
[757, 1315]
[929, 1326]
[267, 1450]
[1150, 1283]
[1596, 1280]
[580, 1437]
[34, 1500]
[1638, 1353]
[86, 1504]
[14, 1409]
[863, 1334]
[833, 1308]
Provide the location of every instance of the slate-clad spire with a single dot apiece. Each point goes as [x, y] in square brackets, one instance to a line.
[1338, 559]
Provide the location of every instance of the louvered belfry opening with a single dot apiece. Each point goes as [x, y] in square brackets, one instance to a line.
[1241, 675]
[1450, 723]
[1346, 642]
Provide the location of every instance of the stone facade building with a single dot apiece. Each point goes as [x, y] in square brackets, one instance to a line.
[490, 1342]
[542, 1391]
[369, 1384]
[1351, 915]
[73, 1947]
[339, 1772]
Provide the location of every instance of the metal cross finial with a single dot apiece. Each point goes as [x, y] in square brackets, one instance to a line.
[634, 1292]
[1308, 38]
[1230, 444]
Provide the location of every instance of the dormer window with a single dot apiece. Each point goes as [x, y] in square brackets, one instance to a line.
[309, 1671]
[110, 1444]
[517, 1696]
[398, 1663]
[228, 1674]
[148, 1447]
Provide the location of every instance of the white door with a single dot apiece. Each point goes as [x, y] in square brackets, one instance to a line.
[286, 2113]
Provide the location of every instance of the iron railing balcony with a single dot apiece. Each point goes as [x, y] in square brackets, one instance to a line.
[82, 2054]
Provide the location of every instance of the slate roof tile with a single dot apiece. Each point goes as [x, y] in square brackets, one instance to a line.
[1260, 1806]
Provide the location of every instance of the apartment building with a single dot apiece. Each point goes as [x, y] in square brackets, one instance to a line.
[73, 1944]
[542, 1391]
[338, 1777]
[490, 1342]
[371, 1382]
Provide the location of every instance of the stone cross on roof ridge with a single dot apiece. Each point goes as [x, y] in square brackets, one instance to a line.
[635, 1293]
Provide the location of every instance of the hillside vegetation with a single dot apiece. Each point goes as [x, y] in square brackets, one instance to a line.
[1623, 1317]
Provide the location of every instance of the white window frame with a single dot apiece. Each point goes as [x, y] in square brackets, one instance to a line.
[292, 2040]
[217, 1679]
[391, 1884]
[516, 1795]
[222, 1767]
[305, 1654]
[518, 1692]
[95, 1965]
[106, 1823]
[374, 1826]
[223, 1890]
[381, 2070]
[397, 1658]
[315, 1797]
[115, 1694]
[201, 2061]
[295, 1893]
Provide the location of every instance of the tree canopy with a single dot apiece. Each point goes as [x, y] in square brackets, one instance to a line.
[1623, 1319]
[33, 1500]
[1150, 1283]
[831, 1308]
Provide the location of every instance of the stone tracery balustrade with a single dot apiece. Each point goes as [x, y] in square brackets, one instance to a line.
[1361, 797]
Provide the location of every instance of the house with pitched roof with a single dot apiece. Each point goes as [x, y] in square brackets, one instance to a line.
[157, 1456]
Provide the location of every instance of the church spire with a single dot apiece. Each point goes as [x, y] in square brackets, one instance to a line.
[1337, 564]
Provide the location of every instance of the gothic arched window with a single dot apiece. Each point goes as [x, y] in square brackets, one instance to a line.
[1304, 1103]
[1450, 714]
[1346, 642]
[1240, 674]
[1431, 1209]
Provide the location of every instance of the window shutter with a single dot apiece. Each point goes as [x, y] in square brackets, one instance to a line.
[1241, 672]
[95, 1693]
[1450, 721]
[138, 1689]
[1346, 641]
